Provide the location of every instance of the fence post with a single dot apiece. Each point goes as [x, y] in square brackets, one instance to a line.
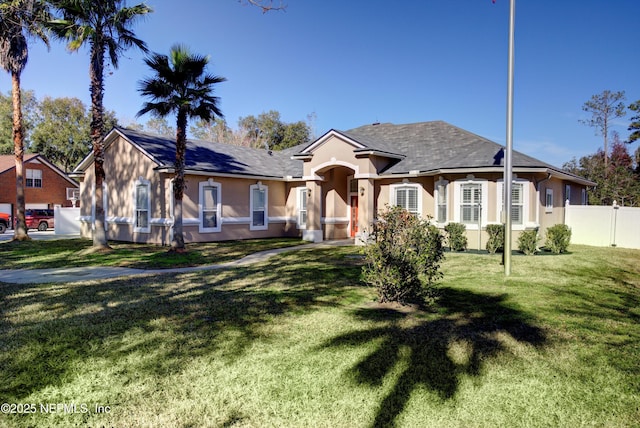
[615, 222]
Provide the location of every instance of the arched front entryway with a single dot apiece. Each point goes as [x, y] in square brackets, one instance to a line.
[337, 200]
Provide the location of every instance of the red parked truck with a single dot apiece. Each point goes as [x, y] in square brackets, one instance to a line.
[5, 221]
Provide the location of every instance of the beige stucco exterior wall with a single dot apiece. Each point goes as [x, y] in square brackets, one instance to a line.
[556, 215]
[235, 210]
[126, 163]
[337, 152]
[326, 183]
[123, 161]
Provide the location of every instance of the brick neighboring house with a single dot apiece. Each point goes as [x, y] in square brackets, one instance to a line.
[45, 184]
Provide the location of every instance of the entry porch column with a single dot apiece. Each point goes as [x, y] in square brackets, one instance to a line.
[313, 232]
[366, 207]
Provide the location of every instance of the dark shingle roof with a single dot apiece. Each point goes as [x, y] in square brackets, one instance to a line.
[216, 157]
[428, 146]
[425, 147]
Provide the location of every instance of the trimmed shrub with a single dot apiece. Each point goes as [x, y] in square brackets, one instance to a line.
[456, 237]
[558, 238]
[528, 241]
[403, 257]
[496, 238]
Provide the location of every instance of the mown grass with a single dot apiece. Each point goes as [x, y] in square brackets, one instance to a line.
[76, 253]
[299, 341]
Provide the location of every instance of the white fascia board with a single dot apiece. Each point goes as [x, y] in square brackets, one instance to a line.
[373, 152]
[107, 141]
[171, 170]
[500, 169]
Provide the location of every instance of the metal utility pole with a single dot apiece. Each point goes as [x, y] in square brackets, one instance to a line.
[508, 158]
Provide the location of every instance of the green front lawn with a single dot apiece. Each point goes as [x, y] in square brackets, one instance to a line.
[77, 252]
[298, 341]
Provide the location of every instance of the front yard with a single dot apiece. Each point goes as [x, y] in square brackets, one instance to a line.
[299, 341]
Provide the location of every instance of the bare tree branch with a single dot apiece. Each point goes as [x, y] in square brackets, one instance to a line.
[266, 5]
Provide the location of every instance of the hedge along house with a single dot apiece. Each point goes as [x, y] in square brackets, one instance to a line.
[329, 189]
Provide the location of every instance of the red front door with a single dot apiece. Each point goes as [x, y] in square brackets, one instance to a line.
[354, 216]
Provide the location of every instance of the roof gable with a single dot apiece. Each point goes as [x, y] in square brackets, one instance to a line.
[8, 162]
[206, 156]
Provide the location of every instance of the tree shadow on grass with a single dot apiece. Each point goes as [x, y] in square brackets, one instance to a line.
[158, 323]
[436, 349]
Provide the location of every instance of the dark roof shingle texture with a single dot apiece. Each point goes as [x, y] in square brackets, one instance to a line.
[424, 146]
[429, 146]
[217, 157]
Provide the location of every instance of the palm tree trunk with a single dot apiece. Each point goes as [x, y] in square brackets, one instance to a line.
[177, 244]
[20, 232]
[96, 74]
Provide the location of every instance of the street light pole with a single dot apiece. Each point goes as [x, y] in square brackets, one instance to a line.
[508, 158]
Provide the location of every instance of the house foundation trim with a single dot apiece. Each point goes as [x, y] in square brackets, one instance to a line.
[312, 235]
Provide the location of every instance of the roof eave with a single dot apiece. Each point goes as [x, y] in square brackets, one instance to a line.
[493, 169]
[369, 152]
[171, 170]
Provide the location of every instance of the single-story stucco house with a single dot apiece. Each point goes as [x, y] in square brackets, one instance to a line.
[331, 188]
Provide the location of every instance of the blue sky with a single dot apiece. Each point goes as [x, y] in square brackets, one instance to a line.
[357, 62]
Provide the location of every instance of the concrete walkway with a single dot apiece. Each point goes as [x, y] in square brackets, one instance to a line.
[75, 274]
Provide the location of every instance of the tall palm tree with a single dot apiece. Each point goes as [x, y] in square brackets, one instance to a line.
[181, 86]
[18, 20]
[105, 26]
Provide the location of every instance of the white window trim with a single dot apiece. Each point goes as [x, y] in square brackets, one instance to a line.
[436, 196]
[525, 203]
[393, 197]
[147, 184]
[201, 186]
[298, 207]
[457, 201]
[548, 193]
[567, 193]
[259, 186]
[33, 175]
[585, 199]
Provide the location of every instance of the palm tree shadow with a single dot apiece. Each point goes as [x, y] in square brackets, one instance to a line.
[473, 322]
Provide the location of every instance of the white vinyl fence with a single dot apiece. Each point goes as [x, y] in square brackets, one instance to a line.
[67, 221]
[604, 226]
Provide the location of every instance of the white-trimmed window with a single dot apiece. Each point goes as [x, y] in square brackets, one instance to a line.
[470, 202]
[407, 196]
[141, 216]
[519, 201]
[567, 193]
[548, 201]
[441, 199]
[258, 202]
[585, 198]
[210, 207]
[302, 207]
[33, 178]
